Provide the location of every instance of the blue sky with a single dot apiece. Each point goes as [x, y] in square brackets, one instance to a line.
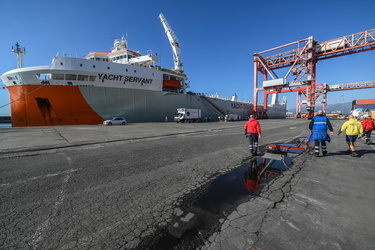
[218, 38]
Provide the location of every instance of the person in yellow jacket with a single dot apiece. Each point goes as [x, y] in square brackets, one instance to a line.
[353, 129]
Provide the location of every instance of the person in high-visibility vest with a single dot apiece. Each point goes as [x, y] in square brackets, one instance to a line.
[353, 129]
[318, 127]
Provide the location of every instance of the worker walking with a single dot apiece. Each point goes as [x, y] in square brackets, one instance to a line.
[353, 128]
[368, 126]
[318, 127]
[253, 133]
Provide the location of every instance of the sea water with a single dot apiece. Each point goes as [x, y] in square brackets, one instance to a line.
[5, 125]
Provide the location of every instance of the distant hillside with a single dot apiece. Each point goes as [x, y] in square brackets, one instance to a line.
[346, 107]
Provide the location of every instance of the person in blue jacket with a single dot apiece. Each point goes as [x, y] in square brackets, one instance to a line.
[318, 127]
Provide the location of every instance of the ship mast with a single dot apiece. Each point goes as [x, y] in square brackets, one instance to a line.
[174, 43]
[20, 51]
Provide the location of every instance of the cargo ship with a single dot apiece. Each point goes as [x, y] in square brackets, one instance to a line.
[76, 90]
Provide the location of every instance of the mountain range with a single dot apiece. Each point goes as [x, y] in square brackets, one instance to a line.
[345, 108]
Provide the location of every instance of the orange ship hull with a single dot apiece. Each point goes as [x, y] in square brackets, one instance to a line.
[50, 105]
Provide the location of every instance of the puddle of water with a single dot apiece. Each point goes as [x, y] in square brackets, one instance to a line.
[216, 200]
[229, 189]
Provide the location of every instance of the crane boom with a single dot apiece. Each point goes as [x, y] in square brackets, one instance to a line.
[174, 43]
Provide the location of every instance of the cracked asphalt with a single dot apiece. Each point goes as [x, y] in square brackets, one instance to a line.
[97, 187]
[319, 203]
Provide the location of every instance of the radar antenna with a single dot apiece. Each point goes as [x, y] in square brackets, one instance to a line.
[20, 51]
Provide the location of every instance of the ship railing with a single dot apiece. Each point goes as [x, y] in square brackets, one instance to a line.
[216, 97]
[170, 71]
[70, 55]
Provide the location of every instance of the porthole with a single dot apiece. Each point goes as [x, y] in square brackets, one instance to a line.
[93, 66]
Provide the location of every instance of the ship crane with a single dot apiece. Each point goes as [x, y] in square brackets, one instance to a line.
[174, 43]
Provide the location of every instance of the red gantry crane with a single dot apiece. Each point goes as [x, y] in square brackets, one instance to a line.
[298, 60]
[323, 89]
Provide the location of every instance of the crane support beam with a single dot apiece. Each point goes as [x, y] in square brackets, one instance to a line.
[355, 43]
[350, 86]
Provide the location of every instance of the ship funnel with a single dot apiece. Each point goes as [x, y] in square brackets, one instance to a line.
[234, 97]
[275, 99]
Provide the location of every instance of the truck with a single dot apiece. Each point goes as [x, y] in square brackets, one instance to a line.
[233, 117]
[189, 115]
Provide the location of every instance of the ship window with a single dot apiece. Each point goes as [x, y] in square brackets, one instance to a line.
[126, 70]
[43, 76]
[83, 78]
[58, 76]
[92, 78]
[93, 66]
[98, 59]
[80, 65]
[109, 68]
[135, 71]
[70, 77]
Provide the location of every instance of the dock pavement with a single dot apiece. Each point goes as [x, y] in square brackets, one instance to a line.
[319, 203]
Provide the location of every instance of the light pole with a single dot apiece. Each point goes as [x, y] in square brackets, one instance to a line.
[342, 105]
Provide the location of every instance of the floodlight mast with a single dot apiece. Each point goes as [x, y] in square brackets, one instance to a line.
[174, 43]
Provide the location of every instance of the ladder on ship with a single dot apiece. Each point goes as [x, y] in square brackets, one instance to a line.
[215, 107]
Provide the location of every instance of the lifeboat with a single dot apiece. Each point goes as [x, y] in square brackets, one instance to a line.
[173, 84]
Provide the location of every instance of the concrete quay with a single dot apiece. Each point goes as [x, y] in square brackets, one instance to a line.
[319, 203]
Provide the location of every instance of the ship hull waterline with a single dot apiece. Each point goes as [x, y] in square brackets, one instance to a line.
[54, 105]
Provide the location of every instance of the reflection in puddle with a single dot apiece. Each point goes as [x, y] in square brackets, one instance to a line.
[230, 189]
[199, 218]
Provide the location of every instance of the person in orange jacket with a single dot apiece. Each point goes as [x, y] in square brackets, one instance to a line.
[253, 133]
[368, 126]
